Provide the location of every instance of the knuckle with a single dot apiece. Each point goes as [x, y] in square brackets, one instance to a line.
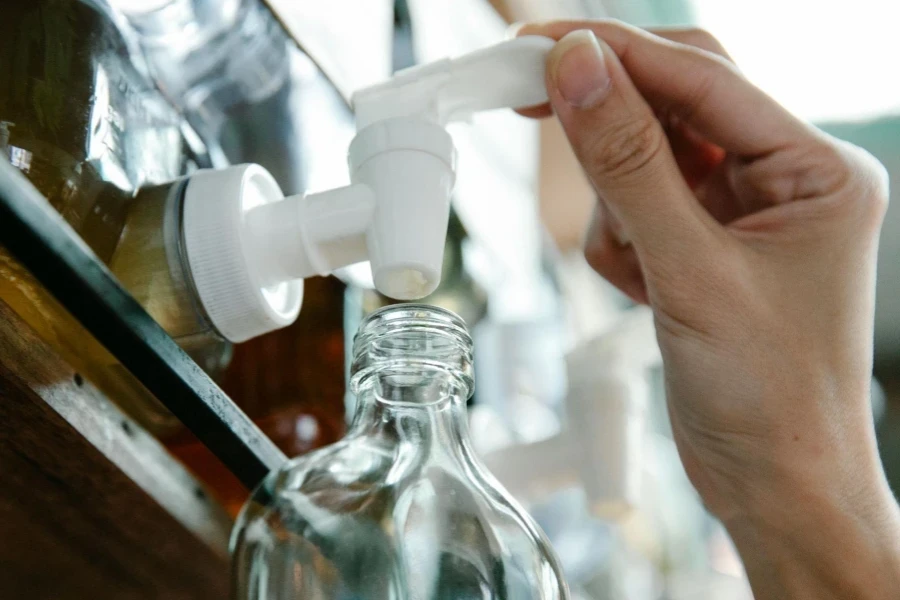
[706, 40]
[708, 76]
[864, 190]
[694, 37]
[625, 149]
[617, 28]
[821, 169]
[875, 183]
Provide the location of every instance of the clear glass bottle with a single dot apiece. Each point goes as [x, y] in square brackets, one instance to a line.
[401, 507]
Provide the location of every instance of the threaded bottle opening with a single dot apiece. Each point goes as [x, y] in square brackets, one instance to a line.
[412, 341]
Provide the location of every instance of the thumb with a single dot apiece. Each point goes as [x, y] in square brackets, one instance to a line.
[622, 147]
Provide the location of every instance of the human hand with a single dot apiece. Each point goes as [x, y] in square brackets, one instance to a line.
[753, 237]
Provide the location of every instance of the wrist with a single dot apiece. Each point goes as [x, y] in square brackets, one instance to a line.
[816, 542]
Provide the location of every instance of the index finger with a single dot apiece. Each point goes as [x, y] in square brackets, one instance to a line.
[690, 36]
[701, 88]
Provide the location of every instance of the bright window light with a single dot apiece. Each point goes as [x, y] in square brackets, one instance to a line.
[825, 61]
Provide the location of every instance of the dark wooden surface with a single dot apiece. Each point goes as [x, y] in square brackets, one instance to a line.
[290, 382]
[90, 505]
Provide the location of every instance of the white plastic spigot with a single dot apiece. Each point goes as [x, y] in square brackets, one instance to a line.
[600, 448]
[249, 248]
[405, 155]
[507, 75]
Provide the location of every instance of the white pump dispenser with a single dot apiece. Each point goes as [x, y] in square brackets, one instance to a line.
[249, 248]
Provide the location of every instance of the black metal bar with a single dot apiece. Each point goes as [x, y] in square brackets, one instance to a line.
[51, 250]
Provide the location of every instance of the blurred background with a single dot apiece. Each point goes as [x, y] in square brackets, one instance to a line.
[569, 411]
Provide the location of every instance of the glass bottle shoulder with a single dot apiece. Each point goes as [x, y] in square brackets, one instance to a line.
[423, 518]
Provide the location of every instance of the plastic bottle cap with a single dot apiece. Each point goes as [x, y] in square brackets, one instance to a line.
[221, 255]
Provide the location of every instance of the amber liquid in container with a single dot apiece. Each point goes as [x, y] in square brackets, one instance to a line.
[290, 382]
[89, 132]
[106, 150]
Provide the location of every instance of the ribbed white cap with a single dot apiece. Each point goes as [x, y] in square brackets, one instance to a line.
[221, 257]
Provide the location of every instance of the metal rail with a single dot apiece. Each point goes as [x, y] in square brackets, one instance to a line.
[39, 238]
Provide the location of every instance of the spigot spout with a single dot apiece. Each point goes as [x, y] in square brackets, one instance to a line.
[404, 153]
[306, 235]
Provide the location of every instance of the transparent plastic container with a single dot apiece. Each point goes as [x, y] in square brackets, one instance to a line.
[244, 86]
[401, 507]
[80, 120]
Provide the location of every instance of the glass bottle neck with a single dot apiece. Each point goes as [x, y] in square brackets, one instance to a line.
[438, 425]
[412, 373]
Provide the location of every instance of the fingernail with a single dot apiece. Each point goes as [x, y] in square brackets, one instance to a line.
[579, 70]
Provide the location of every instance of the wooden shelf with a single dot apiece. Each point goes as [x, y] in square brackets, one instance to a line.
[91, 506]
